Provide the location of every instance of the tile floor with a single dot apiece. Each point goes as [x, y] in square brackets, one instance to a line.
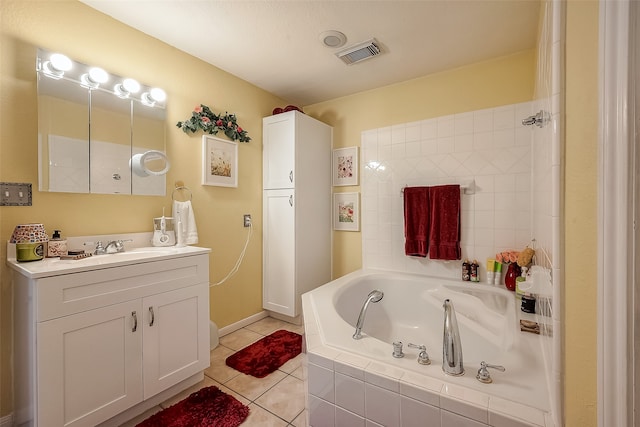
[277, 400]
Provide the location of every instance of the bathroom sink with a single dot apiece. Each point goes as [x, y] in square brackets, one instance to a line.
[150, 250]
[133, 254]
[140, 253]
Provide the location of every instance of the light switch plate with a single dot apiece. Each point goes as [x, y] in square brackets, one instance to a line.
[15, 194]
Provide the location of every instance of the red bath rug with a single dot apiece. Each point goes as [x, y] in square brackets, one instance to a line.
[208, 407]
[265, 356]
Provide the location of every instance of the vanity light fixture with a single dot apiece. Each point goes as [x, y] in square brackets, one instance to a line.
[57, 65]
[126, 88]
[60, 67]
[94, 78]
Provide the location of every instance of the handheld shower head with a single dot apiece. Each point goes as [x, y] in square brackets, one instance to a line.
[374, 296]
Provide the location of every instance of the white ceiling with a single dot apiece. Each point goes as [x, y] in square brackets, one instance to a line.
[275, 44]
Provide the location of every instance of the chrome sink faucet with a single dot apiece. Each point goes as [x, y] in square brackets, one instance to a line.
[374, 296]
[451, 346]
[112, 247]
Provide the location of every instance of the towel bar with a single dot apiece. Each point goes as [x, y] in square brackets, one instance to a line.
[468, 187]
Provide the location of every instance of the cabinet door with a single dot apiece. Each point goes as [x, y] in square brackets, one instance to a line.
[279, 290]
[89, 365]
[176, 337]
[279, 151]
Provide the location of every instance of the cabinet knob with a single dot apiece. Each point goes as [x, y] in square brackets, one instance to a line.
[153, 316]
[135, 321]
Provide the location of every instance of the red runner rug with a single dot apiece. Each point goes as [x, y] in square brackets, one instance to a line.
[208, 407]
[266, 355]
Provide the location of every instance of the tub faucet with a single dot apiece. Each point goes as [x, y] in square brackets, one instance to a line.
[374, 296]
[451, 346]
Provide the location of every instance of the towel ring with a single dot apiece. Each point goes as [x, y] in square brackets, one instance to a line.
[180, 188]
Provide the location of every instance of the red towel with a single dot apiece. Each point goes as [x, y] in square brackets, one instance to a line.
[416, 221]
[444, 231]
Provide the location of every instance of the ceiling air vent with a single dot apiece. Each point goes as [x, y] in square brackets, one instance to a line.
[359, 52]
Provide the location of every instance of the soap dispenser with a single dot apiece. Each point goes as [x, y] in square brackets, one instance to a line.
[57, 246]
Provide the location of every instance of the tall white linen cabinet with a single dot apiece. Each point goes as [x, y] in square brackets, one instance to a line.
[296, 209]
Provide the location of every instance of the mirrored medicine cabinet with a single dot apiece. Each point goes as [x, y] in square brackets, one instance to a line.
[97, 132]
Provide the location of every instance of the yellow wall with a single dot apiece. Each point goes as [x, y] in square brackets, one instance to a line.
[91, 37]
[580, 222]
[502, 81]
[97, 39]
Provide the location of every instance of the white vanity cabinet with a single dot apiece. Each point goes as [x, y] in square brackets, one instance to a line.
[92, 341]
[296, 209]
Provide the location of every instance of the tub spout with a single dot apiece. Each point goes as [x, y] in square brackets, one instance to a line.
[451, 346]
[374, 296]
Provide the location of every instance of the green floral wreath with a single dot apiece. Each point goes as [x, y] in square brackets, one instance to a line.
[203, 118]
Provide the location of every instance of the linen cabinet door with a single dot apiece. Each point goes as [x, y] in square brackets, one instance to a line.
[176, 337]
[279, 265]
[278, 159]
[89, 365]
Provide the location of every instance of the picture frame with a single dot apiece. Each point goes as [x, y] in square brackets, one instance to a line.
[346, 211]
[345, 166]
[219, 162]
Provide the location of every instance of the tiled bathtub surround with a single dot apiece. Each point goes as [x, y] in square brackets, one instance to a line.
[346, 390]
[489, 147]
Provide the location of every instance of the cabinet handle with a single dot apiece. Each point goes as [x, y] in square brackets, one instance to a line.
[291, 176]
[135, 321]
[291, 200]
[153, 316]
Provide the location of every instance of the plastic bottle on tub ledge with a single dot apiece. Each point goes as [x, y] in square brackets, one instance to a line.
[466, 270]
[513, 272]
[498, 274]
[475, 273]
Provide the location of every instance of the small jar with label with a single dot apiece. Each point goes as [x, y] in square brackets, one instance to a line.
[57, 246]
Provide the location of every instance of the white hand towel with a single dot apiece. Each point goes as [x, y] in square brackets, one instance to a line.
[183, 212]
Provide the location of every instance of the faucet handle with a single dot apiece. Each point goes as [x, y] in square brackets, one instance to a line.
[99, 248]
[397, 350]
[423, 356]
[120, 244]
[483, 373]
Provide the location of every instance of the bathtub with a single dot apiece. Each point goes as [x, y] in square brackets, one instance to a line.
[357, 382]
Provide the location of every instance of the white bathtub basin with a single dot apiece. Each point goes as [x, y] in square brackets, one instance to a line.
[411, 311]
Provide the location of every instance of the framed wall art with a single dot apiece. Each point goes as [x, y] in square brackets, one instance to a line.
[345, 166]
[219, 162]
[346, 211]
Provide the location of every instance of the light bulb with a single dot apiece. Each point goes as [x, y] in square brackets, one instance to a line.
[93, 78]
[98, 75]
[147, 100]
[56, 66]
[61, 62]
[131, 85]
[158, 94]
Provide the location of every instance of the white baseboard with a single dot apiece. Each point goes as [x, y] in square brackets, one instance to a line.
[242, 323]
[6, 421]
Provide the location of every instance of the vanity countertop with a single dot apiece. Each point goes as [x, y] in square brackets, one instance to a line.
[55, 266]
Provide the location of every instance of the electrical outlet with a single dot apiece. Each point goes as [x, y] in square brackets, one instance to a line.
[247, 220]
